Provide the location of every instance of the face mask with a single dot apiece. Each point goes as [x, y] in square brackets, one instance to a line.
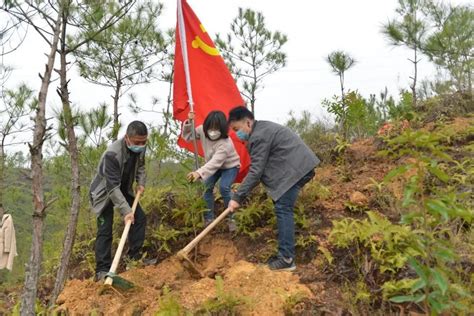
[136, 149]
[242, 135]
[214, 135]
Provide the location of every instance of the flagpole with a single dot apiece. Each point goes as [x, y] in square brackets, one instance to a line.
[184, 50]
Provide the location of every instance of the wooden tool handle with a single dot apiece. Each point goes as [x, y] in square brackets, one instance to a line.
[198, 238]
[123, 239]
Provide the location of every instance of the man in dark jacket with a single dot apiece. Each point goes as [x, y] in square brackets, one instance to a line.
[122, 163]
[284, 164]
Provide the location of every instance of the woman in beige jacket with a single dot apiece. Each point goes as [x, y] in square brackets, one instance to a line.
[222, 160]
[7, 242]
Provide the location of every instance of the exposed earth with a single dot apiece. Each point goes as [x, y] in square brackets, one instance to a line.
[263, 292]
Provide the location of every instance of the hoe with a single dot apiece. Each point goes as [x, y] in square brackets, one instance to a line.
[112, 279]
[183, 253]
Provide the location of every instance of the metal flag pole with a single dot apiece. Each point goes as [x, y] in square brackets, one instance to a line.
[184, 51]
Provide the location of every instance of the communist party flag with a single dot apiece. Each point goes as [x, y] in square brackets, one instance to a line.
[201, 78]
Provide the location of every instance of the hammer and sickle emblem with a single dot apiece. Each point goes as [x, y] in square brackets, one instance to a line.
[199, 43]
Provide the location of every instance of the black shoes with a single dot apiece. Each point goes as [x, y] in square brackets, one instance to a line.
[280, 263]
[100, 276]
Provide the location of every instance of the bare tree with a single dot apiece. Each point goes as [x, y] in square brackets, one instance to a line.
[49, 20]
[36, 150]
[76, 15]
[71, 146]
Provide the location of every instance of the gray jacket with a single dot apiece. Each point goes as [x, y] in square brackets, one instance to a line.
[106, 184]
[279, 159]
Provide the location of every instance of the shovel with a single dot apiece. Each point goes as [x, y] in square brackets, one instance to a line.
[112, 278]
[183, 253]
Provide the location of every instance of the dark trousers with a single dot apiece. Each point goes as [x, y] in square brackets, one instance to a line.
[103, 242]
[284, 208]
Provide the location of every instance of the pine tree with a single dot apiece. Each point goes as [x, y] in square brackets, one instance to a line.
[252, 52]
[408, 30]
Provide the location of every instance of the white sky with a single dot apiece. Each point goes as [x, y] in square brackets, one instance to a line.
[314, 29]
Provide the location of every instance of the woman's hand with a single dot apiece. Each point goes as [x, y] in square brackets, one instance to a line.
[193, 176]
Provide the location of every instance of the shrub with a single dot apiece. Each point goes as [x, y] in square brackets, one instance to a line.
[169, 305]
[436, 216]
[387, 244]
[317, 135]
[225, 303]
[357, 116]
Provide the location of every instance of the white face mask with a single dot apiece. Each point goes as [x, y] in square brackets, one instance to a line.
[214, 135]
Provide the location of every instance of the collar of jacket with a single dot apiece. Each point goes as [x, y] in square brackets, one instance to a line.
[252, 128]
[4, 218]
[125, 150]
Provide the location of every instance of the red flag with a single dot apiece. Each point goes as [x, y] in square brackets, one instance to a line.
[210, 83]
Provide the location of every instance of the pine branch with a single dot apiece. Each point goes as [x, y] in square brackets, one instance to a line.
[110, 22]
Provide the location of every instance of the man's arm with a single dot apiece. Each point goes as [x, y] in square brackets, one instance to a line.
[113, 176]
[141, 173]
[259, 151]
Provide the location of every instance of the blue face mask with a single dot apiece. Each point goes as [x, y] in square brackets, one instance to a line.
[242, 135]
[136, 149]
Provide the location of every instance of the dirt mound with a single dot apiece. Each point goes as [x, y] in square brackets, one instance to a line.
[261, 291]
[265, 292]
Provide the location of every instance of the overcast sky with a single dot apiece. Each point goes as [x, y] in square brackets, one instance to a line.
[314, 29]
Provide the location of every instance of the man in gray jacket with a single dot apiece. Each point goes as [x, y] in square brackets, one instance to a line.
[284, 164]
[122, 163]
